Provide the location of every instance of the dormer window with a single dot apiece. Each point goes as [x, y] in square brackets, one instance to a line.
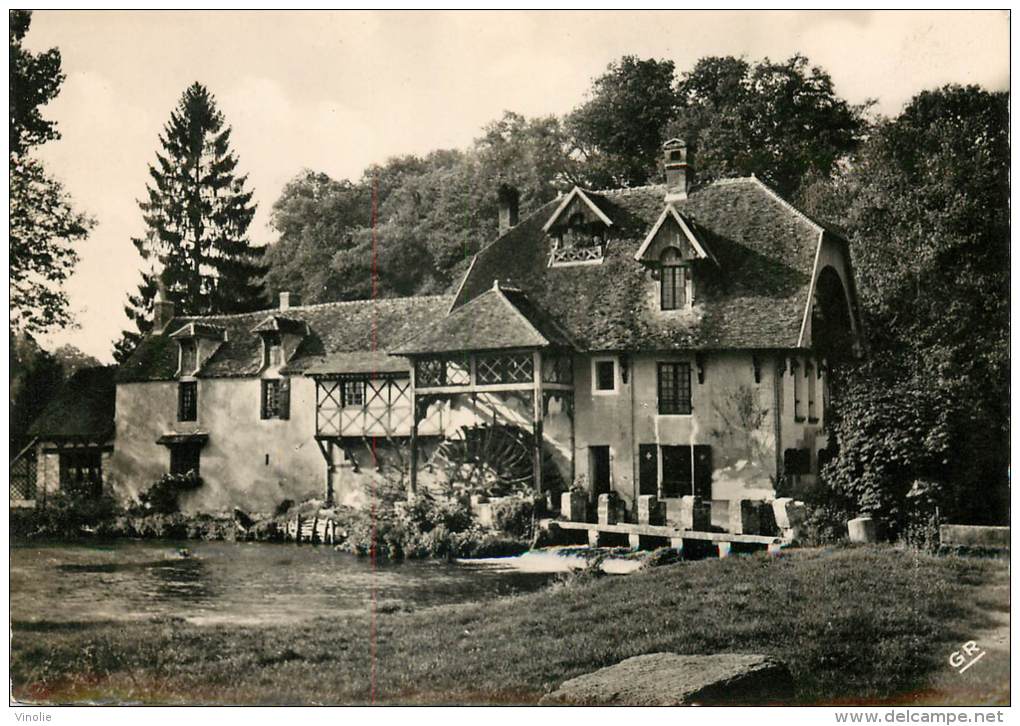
[578, 234]
[189, 357]
[196, 344]
[674, 280]
[280, 338]
[272, 350]
[579, 229]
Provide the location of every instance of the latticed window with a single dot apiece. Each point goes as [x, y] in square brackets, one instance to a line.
[276, 398]
[673, 281]
[505, 368]
[442, 372]
[674, 388]
[187, 401]
[354, 393]
[458, 372]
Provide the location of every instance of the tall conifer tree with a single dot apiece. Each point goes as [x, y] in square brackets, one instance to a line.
[197, 212]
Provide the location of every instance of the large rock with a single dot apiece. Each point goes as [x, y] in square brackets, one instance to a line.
[667, 679]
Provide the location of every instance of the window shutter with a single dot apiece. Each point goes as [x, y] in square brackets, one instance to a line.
[283, 393]
[180, 402]
[703, 470]
[264, 414]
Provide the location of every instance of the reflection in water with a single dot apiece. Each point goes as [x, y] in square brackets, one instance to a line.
[234, 582]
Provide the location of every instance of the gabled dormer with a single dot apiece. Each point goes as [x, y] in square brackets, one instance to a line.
[580, 230]
[280, 338]
[674, 250]
[197, 343]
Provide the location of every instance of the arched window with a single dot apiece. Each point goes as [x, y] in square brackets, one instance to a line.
[674, 278]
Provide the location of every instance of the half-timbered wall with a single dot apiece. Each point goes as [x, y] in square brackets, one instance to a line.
[358, 406]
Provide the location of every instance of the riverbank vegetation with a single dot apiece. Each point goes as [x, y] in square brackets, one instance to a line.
[440, 525]
[854, 625]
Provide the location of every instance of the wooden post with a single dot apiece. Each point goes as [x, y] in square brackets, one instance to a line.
[536, 424]
[329, 473]
[412, 480]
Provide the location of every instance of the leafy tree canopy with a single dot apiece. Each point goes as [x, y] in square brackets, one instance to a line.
[926, 205]
[619, 130]
[783, 121]
[44, 227]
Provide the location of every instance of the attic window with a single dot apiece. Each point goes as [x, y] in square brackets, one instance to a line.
[272, 350]
[579, 231]
[674, 280]
[579, 241]
[189, 357]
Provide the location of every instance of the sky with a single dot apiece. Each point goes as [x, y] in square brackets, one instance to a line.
[335, 92]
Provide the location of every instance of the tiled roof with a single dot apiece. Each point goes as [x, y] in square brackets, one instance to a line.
[754, 298]
[360, 361]
[82, 408]
[499, 319]
[342, 327]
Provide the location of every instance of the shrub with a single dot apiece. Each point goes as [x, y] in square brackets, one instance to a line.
[283, 507]
[514, 516]
[162, 496]
[921, 528]
[67, 514]
[423, 513]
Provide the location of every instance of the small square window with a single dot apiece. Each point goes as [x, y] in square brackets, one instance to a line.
[605, 375]
[354, 393]
[275, 398]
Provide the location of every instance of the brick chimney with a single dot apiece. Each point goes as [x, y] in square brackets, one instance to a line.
[163, 310]
[678, 175]
[509, 198]
[289, 300]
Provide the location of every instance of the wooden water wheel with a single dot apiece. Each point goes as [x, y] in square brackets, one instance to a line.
[494, 459]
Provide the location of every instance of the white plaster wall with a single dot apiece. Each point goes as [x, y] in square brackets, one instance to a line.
[247, 462]
[743, 459]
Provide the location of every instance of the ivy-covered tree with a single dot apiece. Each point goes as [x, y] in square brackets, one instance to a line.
[926, 207]
[197, 212]
[44, 227]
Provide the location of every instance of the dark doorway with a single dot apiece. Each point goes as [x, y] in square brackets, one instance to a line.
[680, 477]
[81, 472]
[648, 469]
[676, 471]
[600, 476]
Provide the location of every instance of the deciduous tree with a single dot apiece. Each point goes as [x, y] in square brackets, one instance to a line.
[44, 226]
[781, 121]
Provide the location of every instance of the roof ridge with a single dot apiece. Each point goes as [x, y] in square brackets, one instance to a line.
[626, 190]
[334, 303]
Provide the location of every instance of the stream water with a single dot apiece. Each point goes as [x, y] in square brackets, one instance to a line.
[225, 582]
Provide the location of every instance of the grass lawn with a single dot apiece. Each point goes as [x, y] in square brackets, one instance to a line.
[854, 624]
